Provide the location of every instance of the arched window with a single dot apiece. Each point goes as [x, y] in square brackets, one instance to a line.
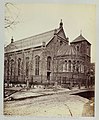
[77, 48]
[65, 66]
[19, 66]
[60, 65]
[48, 63]
[82, 68]
[12, 67]
[74, 65]
[87, 50]
[69, 65]
[27, 66]
[77, 67]
[8, 67]
[37, 63]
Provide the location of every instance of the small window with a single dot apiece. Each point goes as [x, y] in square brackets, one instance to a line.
[61, 42]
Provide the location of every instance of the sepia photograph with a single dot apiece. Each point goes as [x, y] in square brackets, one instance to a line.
[49, 60]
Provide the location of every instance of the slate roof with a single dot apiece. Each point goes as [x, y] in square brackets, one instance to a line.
[32, 41]
[79, 39]
[67, 50]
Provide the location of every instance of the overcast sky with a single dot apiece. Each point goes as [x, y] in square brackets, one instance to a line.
[38, 18]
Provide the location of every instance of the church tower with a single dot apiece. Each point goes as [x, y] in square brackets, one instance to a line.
[82, 45]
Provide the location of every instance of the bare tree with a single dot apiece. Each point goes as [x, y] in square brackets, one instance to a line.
[11, 15]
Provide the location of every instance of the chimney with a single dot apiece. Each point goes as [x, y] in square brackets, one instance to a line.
[12, 40]
[43, 44]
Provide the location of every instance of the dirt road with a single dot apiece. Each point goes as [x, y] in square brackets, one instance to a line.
[60, 104]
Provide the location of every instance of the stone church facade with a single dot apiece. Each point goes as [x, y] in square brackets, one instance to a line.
[47, 58]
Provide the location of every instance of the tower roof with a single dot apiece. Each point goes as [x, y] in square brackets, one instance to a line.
[80, 38]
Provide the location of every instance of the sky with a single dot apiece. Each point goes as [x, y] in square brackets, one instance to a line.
[34, 19]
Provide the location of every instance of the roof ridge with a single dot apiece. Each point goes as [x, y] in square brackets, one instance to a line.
[35, 40]
[36, 35]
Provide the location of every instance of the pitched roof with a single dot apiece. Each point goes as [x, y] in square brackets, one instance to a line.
[32, 41]
[67, 50]
[80, 38]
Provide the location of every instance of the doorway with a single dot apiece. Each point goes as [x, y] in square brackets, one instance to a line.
[48, 76]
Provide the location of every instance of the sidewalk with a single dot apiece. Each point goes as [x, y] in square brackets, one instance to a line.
[32, 93]
[21, 94]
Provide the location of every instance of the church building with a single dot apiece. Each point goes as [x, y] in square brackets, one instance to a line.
[47, 58]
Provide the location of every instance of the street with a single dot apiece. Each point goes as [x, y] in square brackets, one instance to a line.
[57, 104]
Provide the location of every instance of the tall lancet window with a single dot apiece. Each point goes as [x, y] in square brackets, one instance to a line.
[48, 63]
[12, 67]
[19, 66]
[27, 66]
[37, 63]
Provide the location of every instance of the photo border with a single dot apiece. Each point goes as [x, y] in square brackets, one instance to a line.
[2, 37]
